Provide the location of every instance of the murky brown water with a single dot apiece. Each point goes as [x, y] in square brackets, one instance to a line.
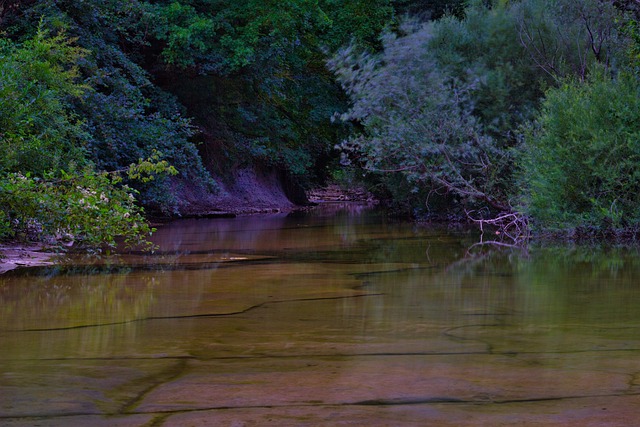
[323, 320]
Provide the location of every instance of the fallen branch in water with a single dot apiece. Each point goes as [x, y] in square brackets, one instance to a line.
[512, 227]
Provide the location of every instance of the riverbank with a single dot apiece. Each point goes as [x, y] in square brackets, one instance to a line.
[252, 193]
[337, 193]
[17, 255]
[249, 191]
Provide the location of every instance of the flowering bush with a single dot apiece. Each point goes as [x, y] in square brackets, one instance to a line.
[86, 207]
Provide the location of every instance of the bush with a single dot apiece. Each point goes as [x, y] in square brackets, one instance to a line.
[86, 207]
[583, 157]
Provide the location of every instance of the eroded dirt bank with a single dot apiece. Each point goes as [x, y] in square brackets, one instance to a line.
[260, 191]
[250, 191]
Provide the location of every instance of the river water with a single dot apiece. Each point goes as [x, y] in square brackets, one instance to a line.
[329, 318]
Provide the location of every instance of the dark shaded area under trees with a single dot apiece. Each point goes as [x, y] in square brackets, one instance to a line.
[449, 108]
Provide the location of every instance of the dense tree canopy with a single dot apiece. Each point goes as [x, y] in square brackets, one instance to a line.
[93, 87]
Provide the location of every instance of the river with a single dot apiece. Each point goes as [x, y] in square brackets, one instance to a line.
[334, 317]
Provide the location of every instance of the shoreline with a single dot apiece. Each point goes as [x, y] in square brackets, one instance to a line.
[15, 255]
[24, 255]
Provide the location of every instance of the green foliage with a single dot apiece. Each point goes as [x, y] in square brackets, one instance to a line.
[48, 187]
[187, 35]
[125, 116]
[146, 170]
[632, 29]
[356, 20]
[516, 50]
[226, 36]
[256, 79]
[567, 37]
[484, 49]
[583, 156]
[84, 206]
[417, 122]
[39, 80]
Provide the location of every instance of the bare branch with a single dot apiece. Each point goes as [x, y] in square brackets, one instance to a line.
[512, 225]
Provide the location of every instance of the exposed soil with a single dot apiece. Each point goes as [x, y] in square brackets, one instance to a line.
[252, 191]
[336, 193]
[256, 191]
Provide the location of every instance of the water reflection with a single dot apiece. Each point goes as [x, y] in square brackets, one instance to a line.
[353, 310]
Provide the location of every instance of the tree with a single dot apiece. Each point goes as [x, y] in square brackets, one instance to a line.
[125, 117]
[443, 103]
[39, 130]
[567, 38]
[417, 121]
[254, 77]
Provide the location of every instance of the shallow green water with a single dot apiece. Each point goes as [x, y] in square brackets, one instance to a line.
[336, 317]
